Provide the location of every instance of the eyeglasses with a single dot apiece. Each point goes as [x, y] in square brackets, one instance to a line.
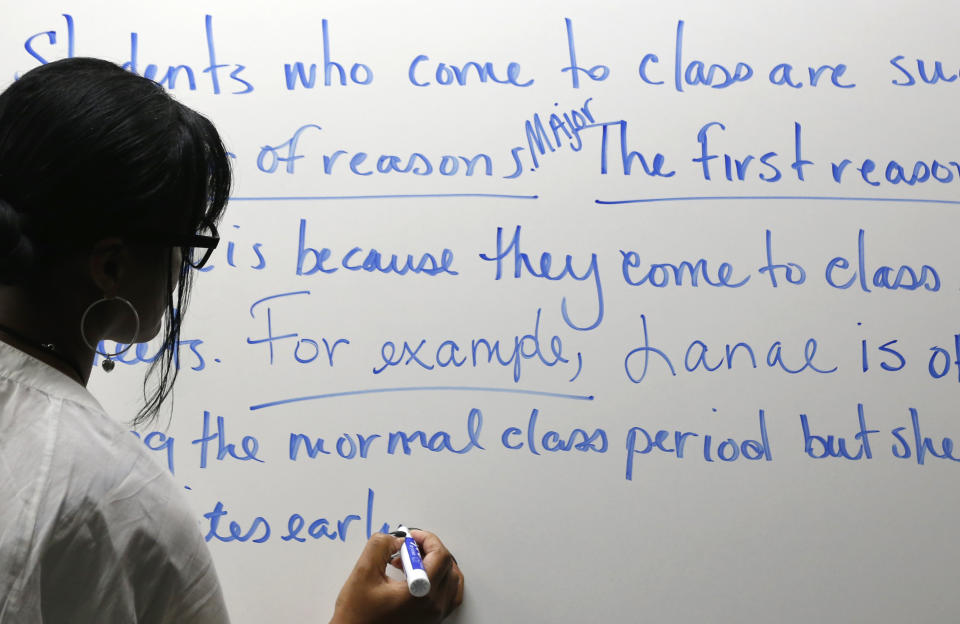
[196, 248]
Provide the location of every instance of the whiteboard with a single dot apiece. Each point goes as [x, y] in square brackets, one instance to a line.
[774, 274]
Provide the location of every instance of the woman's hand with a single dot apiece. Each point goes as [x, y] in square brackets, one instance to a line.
[370, 597]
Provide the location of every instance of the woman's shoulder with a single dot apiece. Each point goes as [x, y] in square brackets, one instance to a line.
[91, 509]
[138, 523]
[75, 462]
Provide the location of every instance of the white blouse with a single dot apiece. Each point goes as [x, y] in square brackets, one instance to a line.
[91, 528]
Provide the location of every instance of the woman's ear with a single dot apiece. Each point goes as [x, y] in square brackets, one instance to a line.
[107, 264]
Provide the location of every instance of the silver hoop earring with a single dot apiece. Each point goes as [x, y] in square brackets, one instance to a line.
[108, 363]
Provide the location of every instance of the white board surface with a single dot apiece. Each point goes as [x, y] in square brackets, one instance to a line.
[805, 300]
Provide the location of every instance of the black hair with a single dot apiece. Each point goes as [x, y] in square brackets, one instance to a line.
[90, 150]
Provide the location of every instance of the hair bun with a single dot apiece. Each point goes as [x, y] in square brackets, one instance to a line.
[16, 251]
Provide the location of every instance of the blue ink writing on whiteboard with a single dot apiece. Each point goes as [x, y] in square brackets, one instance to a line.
[597, 73]
[249, 445]
[371, 261]
[928, 75]
[737, 169]
[895, 173]
[350, 446]
[333, 73]
[305, 350]
[159, 442]
[651, 167]
[51, 37]
[341, 161]
[782, 75]
[269, 157]
[792, 272]
[258, 530]
[696, 73]
[893, 359]
[884, 277]
[940, 360]
[172, 74]
[664, 274]
[922, 445]
[507, 354]
[418, 389]
[734, 169]
[641, 442]
[515, 438]
[470, 72]
[695, 357]
[820, 447]
[523, 264]
[256, 249]
[562, 129]
[147, 352]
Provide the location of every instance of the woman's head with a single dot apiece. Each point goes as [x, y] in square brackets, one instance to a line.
[97, 160]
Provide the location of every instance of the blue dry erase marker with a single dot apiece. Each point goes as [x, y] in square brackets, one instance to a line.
[417, 581]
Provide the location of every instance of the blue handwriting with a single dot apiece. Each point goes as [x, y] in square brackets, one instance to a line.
[640, 442]
[249, 445]
[922, 445]
[820, 447]
[887, 349]
[793, 272]
[940, 361]
[340, 161]
[172, 73]
[297, 73]
[884, 277]
[146, 353]
[160, 442]
[522, 264]
[651, 167]
[552, 441]
[697, 73]
[895, 173]
[371, 261]
[258, 531]
[305, 350]
[927, 75]
[597, 73]
[448, 74]
[351, 446]
[260, 261]
[663, 274]
[737, 169]
[637, 362]
[566, 128]
[449, 353]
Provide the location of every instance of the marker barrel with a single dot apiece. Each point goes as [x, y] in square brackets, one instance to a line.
[417, 581]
